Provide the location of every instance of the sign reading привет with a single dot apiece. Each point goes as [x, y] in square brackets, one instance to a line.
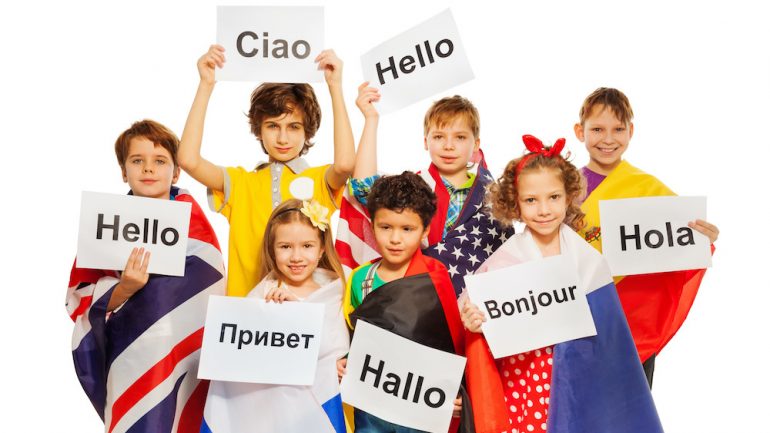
[401, 381]
[111, 225]
[531, 305]
[650, 234]
[418, 63]
[250, 340]
[270, 43]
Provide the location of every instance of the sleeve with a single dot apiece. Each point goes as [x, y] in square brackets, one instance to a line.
[359, 188]
[329, 198]
[222, 201]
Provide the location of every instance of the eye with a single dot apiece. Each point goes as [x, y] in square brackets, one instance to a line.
[160, 161]
[308, 245]
[461, 137]
[283, 247]
[408, 229]
[620, 129]
[296, 126]
[555, 196]
[438, 137]
[529, 200]
[596, 129]
[136, 161]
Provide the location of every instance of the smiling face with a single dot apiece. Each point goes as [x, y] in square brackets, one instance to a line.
[398, 236]
[297, 248]
[606, 138]
[283, 137]
[149, 169]
[542, 202]
[450, 147]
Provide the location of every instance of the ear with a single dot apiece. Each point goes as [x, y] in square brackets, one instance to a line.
[425, 234]
[579, 132]
[425, 142]
[477, 144]
[177, 171]
[630, 130]
[123, 173]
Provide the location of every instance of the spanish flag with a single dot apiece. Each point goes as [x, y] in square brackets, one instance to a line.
[655, 305]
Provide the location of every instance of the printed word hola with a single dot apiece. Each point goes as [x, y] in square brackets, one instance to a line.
[280, 47]
[406, 64]
[656, 238]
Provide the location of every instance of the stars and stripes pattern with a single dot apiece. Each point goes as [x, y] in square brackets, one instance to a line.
[138, 364]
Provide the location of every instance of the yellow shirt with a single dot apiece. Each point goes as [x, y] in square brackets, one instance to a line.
[247, 202]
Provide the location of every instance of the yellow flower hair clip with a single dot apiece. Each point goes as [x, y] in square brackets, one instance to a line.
[319, 215]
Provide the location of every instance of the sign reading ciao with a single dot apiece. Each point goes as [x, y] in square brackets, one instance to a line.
[650, 234]
[250, 340]
[401, 381]
[111, 225]
[270, 43]
[531, 305]
[418, 63]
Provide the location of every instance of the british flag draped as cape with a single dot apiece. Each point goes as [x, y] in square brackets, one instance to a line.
[139, 364]
[472, 238]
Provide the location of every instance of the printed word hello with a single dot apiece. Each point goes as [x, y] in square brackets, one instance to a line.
[406, 64]
[131, 232]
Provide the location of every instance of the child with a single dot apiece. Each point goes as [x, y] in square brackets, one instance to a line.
[300, 264]
[137, 336]
[284, 118]
[461, 235]
[655, 304]
[380, 293]
[592, 384]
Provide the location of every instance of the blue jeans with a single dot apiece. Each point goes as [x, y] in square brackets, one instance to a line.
[368, 423]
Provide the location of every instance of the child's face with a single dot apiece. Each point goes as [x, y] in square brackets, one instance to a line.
[542, 201]
[297, 250]
[283, 136]
[398, 235]
[606, 138]
[451, 146]
[149, 169]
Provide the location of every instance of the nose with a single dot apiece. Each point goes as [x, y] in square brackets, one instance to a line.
[295, 256]
[283, 136]
[543, 208]
[449, 144]
[147, 168]
[395, 237]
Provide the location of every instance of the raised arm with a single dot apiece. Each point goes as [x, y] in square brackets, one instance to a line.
[189, 156]
[344, 145]
[366, 155]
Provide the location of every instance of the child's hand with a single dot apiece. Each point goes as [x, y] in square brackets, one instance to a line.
[706, 228]
[332, 67]
[366, 96]
[214, 57]
[342, 363]
[472, 317]
[458, 407]
[135, 275]
[280, 294]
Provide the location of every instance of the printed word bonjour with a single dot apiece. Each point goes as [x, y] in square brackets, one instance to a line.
[544, 299]
[655, 239]
[299, 49]
[131, 232]
[433, 397]
[264, 338]
[406, 64]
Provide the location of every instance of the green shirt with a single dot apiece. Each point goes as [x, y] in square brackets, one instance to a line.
[357, 282]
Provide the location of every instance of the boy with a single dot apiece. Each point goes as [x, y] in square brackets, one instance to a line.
[461, 235]
[284, 118]
[380, 293]
[137, 336]
[655, 304]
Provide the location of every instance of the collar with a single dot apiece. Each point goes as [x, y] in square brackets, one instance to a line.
[296, 165]
[468, 183]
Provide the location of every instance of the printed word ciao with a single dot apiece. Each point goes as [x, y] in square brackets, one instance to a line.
[264, 338]
[543, 299]
[280, 47]
[132, 233]
[424, 52]
[655, 239]
[412, 390]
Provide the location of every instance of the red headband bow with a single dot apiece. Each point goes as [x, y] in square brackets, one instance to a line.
[535, 146]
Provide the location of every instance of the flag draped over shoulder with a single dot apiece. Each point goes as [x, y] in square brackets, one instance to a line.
[657, 304]
[235, 407]
[597, 384]
[139, 364]
[472, 238]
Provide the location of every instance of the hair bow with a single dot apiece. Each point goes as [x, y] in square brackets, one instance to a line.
[536, 147]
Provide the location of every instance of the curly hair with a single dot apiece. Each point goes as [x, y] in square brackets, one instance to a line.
[276, 99]
[404, 191]
[502, 196]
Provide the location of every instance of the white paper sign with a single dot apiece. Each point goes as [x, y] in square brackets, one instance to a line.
[111, 225]
[270, 43]
[250, 340]
[650, 234]
[418, 63]
[531, 305]
[401, 381]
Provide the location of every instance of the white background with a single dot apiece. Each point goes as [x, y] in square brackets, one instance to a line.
[76, 73]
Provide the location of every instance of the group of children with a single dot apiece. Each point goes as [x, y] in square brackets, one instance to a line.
[408, 239]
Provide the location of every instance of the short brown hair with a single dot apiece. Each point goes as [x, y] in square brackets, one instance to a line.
[610, 98]
[503, 195]
[404, 191]
[276, 99]
[445, 110]
[151, 130]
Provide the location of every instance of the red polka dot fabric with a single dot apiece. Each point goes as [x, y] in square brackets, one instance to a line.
[526, 379]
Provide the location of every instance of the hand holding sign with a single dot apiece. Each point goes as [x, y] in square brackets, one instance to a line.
[367, 96]
[705, 228]
[472, 316]
[133, 278]
[214, 57]
[331, 65]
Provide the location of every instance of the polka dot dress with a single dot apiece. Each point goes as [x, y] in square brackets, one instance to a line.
[526, 379]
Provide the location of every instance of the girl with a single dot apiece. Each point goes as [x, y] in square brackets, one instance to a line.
[592, 384]
[300, 264]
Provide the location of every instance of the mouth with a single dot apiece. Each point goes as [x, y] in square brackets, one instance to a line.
[395, 251]
[546, 222]
[297, 269]
[448, 159]
[148, 181]
[607, 151]
[283, 149]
